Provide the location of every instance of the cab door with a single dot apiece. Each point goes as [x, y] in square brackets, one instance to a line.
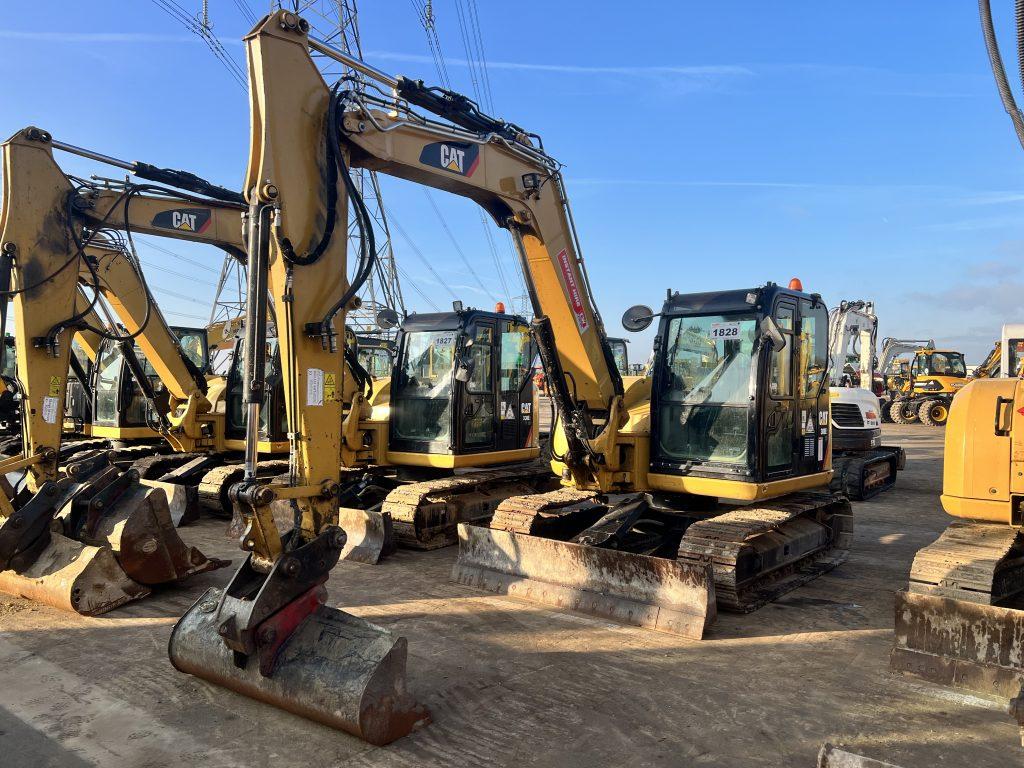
[812, 388]
[515, 383]
[479, 394]
[779, 413]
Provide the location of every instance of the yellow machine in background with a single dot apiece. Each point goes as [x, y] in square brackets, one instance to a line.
[961, 620]
[926, 391]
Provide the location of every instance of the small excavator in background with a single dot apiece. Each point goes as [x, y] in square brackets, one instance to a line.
[862, 466]
[996, 363]
[960, 622]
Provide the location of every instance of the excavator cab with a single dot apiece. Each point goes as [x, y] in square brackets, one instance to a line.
[121, 409]
[621, 355]
[78, 400]
[376, 355]
[740, 390]
[273, 419]
[462, 386]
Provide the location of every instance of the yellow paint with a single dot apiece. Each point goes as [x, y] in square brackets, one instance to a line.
[125, 433]
[736, 489]
[448, 461]
[978, 463]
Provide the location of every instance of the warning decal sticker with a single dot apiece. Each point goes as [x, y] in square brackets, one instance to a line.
[575, 298]
[314, 386]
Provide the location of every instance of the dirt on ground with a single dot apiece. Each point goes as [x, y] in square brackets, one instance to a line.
[515, 684]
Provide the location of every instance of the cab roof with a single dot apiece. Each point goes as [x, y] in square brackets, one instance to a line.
[738, 300]
[440, 321]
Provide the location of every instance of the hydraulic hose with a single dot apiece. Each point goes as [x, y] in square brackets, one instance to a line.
[996, 61]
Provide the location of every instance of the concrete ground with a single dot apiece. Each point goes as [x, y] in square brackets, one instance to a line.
[510, 683]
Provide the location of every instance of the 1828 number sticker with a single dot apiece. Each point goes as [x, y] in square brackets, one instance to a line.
[725, 330]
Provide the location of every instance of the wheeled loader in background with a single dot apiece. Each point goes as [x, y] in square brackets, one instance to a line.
[862, 466]
[960, 622]
[926, 388]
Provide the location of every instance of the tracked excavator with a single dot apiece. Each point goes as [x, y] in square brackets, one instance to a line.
[81, 535]
[862, 466]
[673, 445]
[960, 622]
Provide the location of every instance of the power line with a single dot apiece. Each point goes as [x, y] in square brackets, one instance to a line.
[455, 244]
[425, 13]
[418, 252]
[178, 256]
[183, 297]
[246, 11]
[409, 281]
[205, 32]
[494, 256]
[185, 314]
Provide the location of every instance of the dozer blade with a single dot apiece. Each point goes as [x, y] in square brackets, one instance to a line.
[74, 577]
[652, 592]
[134, 520]
[369, 534]
[959, 643]
[335, 668]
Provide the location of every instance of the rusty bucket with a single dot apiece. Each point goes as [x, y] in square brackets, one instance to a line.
[74, 577]
[334, 668]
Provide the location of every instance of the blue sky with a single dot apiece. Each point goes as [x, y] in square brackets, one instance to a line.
[860, 146]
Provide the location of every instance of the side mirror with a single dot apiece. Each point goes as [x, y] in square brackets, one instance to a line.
[463, 370]
[637, 318]
[771, 332]
[387, 318]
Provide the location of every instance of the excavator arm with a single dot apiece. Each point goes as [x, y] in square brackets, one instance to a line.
[505, 171]
[54, 228]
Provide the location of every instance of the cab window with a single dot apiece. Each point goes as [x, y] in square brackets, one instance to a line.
[813, 349]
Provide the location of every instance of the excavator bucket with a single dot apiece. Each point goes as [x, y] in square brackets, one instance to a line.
[74, 577]
[182, 501]
[652, 592]
[334, 668]
[134, 521]
[369, 532]
[832, 757]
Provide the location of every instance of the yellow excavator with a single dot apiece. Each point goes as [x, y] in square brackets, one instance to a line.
[960, 621]
[190, 444]
[87, 536]
[737, 408]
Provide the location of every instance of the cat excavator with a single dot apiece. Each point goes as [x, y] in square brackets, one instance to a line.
[85, 536]
[643, 468]
[960, 622]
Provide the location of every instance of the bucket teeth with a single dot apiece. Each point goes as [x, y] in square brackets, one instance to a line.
[335, 668]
